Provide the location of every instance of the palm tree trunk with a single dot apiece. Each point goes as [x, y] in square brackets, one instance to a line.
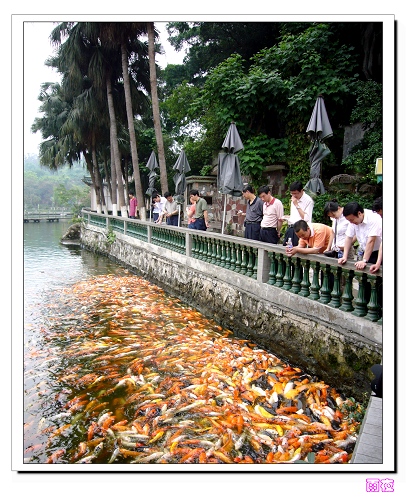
[107, 175]
[155, 108]
[113, 125]
[113, 178]
[95, 183]
[125, 175]
[133, 141]
[99, 181]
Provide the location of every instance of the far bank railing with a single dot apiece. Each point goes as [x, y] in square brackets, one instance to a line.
[313, 276]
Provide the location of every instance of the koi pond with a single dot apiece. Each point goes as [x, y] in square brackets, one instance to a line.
[116, 371]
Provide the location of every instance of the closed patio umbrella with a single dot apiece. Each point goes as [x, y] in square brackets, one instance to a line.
[152, 165]
[229, 175]
[319, 129]
[182, 167]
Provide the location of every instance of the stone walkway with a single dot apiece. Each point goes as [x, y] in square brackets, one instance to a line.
[368, 449]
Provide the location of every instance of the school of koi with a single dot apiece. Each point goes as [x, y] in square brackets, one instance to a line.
[130, 375]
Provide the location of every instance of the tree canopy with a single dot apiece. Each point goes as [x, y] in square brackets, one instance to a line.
[264, 76]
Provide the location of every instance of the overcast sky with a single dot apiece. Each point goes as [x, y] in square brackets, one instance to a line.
[37, 49]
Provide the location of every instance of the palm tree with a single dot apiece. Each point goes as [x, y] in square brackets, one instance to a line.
[116, 152]
[133, 30]
[124, 36]
[78, 60]
[92, 59]
[155, 107]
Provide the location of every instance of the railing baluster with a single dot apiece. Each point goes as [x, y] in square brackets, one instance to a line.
[250, 265]
[244, 260]
[232, 257]
[360, 303]
[227, 261]
[209, 251]
[287, 277]
[272, 268]
[336, 292]
[297, 269]
[205, 253]
[222, 253]
[347, 297]
[255, 260]
[373, 305]
[305, 284]
[200, 248]
[238, 258]
[194, 246]
[315, 286]
[214, 251]
[325, 293]
[280, 273]
[217, 253]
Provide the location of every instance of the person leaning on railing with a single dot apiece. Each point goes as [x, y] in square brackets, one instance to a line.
[366, 225]
[339, 226]
[378, 208]
[159, 202]
[313, 238]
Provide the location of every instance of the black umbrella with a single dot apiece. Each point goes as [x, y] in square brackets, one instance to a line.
[182, 167]
[319, 129]
[228, 175]
[152, 165]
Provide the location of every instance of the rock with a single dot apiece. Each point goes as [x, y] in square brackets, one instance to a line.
[72, 235]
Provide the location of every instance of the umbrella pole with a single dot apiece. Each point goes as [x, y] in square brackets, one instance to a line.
[178, 215]
[224, 213]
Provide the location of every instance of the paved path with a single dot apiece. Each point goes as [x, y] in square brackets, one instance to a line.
[368, 449]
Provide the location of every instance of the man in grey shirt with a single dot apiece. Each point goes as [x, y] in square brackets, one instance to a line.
[201, 215]
[254, 214]
[170, 210]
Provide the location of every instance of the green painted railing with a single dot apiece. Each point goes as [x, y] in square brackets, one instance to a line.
[315, 277]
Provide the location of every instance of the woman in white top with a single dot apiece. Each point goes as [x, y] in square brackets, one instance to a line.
[339, 226]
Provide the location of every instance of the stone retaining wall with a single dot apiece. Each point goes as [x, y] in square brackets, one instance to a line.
[334, 345]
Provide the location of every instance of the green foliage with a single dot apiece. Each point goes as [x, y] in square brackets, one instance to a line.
[110, 236]
[270, 98]
[365, 200]
[297, 158]
[229, 227]
[76, 219]
[206, 170]
[210, 43]
[368, 110]
[260, 151]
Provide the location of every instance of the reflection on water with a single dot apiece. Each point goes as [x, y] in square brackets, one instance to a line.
[117, 371]
[49, 265]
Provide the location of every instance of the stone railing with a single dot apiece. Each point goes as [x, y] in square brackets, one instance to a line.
[314, 277]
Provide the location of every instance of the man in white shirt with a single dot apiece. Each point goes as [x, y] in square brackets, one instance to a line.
[301, 208]
[367, 226]
[159, 204]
